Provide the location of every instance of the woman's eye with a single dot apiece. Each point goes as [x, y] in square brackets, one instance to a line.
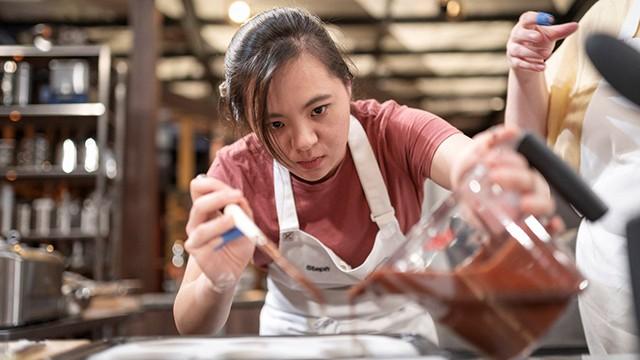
[276, 124]
[319, 110]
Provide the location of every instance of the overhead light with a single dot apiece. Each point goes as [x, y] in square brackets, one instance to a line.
[454, 9]
[239, 11]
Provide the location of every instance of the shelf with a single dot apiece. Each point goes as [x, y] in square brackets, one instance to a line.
[55, 51]
[85, 109]
[101, 116]
[33, 173]
[57, 236]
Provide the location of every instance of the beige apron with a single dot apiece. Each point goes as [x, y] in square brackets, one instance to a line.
[288, 309]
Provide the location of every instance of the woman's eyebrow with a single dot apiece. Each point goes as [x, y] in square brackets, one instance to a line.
[316, 99]
[313, 100]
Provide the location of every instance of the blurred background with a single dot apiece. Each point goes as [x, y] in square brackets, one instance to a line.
[109, 109]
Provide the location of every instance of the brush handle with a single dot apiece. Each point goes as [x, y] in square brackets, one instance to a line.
[243, 223]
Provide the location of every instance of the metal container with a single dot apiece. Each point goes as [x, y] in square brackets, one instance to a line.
[30, 285]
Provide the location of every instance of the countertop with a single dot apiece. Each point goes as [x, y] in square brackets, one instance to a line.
[60, 349]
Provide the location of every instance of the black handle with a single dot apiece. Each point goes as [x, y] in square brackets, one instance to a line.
[633, 248]
[618, 63]
[561, 177]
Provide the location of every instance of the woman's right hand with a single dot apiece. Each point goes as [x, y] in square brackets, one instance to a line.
[530, 44]
[205, 227]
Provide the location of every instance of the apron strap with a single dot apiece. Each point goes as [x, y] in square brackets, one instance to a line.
[371, 179]
[369, 174]
[630, 25]
[285, 203]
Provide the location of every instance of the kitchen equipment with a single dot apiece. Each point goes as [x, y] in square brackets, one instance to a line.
[43, 209]
[7, 85]
[481, 267]
[263, 347]
[16, 83]
[7, 146]
[26, 149]
[69, 81]
[23, 84]
[30, 283]
[23, 218]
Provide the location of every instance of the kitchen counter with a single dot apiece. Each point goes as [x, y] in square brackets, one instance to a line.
[134, 316]
[36, 350]
[101, 319]
[78, 349]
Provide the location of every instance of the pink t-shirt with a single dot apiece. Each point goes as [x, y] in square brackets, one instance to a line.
[336, 211]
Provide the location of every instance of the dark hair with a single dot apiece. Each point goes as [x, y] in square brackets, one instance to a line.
[259, 48]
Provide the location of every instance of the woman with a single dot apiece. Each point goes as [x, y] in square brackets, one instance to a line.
[596, 130]
[336, 182]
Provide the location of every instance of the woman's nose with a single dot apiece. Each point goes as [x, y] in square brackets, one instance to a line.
[304, 138]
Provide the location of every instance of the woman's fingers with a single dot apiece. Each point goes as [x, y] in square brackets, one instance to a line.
[528, 19]
[557, 32]
[203, 184]
[537, 204]
[515, 178]
[522, 64]
[520, 51]
[522, 35]
[555, 225]
[207, 232]
[511, 171]
[478, 147]
[209, 205]
[493, 137]
[531, 42]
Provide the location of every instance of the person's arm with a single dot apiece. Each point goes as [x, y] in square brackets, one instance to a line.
[457, 154]
[201, 308]
[446, 155]
[529, 46]
[204, 299]
[527, 101]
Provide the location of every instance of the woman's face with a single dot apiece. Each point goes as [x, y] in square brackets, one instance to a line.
[308, 116]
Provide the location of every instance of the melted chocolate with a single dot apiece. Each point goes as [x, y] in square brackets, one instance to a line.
[501, 301]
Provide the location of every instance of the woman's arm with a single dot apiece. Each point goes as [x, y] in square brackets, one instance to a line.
[457, 154]
[527, 101]
[200, 307]
[447, 154]
[529, 46]
[204, 299]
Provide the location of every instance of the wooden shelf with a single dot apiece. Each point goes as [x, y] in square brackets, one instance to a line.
[85, 109]
[58, 236]
[35, 173]
[55, 51]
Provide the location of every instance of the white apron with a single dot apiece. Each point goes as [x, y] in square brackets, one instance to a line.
[289, 310]
[610, 163]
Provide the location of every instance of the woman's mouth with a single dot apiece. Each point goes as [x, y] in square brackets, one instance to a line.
[312, 163]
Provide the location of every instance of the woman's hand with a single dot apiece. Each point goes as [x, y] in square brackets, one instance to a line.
[508, 169]
[530, 44]
[205, 227]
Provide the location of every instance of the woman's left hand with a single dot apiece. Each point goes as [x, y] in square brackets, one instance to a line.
[510, 170]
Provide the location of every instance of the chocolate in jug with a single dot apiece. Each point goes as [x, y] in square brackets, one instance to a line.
[478, 266]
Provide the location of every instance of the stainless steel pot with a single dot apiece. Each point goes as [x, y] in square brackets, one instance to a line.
[30, 284]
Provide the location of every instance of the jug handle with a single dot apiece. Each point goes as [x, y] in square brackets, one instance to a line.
[561, 177]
